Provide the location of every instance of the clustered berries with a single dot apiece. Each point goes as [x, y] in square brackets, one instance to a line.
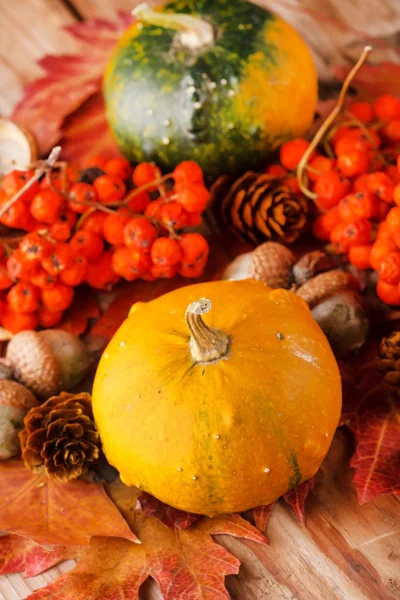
[95, 227]
[355, 178]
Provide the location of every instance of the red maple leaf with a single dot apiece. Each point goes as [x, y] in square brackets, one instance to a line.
[261, 515]
[373, 80]
[53, 513]
[69, 80]
[19, 553]
[166, 514]
[296, 497]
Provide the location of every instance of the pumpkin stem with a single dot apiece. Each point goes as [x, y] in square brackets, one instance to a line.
[195, 33]
[206, 343]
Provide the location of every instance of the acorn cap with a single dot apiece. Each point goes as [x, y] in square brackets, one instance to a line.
[272, 263]
[35, 363]
[18, 148]
[326, 284]
[15, 402]
[17, 395]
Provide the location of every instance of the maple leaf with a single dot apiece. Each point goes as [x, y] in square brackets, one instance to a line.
[19, 553]
[166, 514]
[296, 497]
[185, 563]
[69, 80]
[373, 80]
[261, 515]
[53, 513]
[83, 308]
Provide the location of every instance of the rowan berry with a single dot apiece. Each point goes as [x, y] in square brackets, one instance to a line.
[330, 188]
[173, 215]
[393, 173]
[194, 197]
[59, 297]
[392, 130]
[387, 107]
[14, 181]
[61, 257]
[292, 152]
[94, 222]
[47, 206]
[345, 235]
[380, 249]
[360, 256]
[340, 133]
[76, 273]
[119, 167]
[144, 174]
[188, 172]
[109, 188]
[81, 196]
[360, 183]
[87, 244]
[60, 232]
[35, 246]
[293, 184]
[192, 271]
[147, 276]
[140, 233]
[49, 318]
[100, 274]
[393, 219]
[166, 251]
[194, 248]
[19, 267]
[153, 210]
[388, 293]
[23, 297]
[95, 161]
[361, 205]
[43, 279]
[383, 210]
[276, 171]
[114, 225]
[353, 163]
[69, 217]
[5, 280]
[389, 269]
[383, 232]
[398, 163]
[193, 219]
[164, 271]
[138, 201]
[16, 321]
[319, 164]
[18, 216]
[130, 263]
[356, 139]
[380, 184]
[362, 111]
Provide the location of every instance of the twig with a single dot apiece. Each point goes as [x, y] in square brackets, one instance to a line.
[318, 137]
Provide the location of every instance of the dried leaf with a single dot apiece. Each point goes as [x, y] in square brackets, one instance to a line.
[19, 553]
[172, 517]
[50, 513]
[84, 308]
[371, 409]
[185, 563]
[68, 81]
[373, 80]
[296, 498]
[261, 515]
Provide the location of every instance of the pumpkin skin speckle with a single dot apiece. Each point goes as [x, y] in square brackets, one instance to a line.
[228, 435]
[227, 106]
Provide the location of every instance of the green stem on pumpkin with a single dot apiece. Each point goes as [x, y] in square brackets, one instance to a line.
[195, 33]
[207, 344]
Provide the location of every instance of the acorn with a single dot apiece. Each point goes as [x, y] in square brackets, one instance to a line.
[270, 263]
[48, 361]
[313, 263]
[15, 402]
[326, 284]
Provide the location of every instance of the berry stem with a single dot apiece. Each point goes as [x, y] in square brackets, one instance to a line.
[318, 137]
[146, 186]
[44, 168]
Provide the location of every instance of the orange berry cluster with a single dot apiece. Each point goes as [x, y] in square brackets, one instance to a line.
[95, 227]
[355, 178]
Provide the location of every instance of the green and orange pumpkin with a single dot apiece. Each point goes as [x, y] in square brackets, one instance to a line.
[220, 82]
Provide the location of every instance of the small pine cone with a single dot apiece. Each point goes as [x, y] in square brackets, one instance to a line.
[326, 284]
[60, 437]
[389, 358]
[272, 263]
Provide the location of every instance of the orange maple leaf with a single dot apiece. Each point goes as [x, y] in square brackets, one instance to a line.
[53, 513]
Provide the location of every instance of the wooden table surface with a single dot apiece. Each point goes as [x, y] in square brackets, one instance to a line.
[345, 551]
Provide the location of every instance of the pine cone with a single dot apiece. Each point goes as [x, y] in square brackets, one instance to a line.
[259, 207]
[389, 358]
[60, 436]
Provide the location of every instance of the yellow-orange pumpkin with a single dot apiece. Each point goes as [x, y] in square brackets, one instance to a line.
[224, 410]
